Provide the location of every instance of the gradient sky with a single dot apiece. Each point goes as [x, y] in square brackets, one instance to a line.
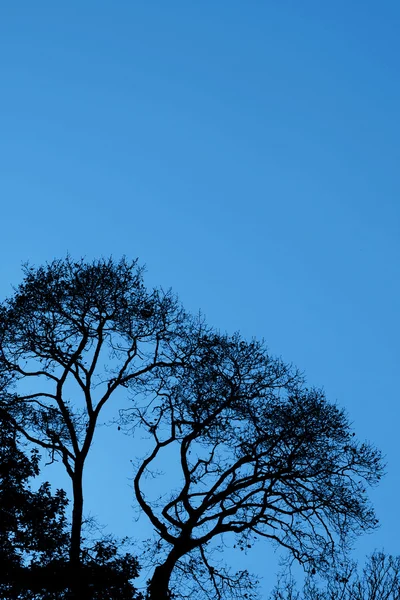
[248, 153]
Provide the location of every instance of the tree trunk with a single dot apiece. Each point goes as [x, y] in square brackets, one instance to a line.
[159, 584]
[76, 529]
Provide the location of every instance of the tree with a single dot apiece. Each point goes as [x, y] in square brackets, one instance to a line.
[84, 330]
[379, 580]
[32, 524]
[260, 456]
[34, 537]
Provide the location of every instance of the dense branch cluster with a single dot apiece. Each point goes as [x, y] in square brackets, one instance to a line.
[74, 328]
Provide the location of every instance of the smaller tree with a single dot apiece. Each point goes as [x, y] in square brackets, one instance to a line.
[260, 456]
[379, 580]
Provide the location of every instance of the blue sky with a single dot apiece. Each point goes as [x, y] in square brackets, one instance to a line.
[248, 153]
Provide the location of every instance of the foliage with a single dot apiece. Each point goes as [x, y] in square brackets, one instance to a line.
[32, 524]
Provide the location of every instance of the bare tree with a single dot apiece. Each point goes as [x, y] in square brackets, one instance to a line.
[260, 456]
[70, 337]
[379, 580]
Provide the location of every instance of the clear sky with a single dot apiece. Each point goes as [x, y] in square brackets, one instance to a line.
[248, 153]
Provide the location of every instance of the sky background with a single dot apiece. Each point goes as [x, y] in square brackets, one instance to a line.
[248, 153]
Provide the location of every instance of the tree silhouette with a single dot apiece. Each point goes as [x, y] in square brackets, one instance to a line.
[379, 580]
[32, 524]
[81, 330]
[260, 456]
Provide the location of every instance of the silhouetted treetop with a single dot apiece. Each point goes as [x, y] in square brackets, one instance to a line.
[260, 456]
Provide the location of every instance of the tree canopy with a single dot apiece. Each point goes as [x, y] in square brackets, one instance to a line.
[260, 456]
